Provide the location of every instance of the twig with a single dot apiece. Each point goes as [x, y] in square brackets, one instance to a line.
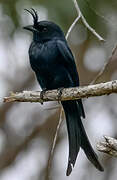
[106, 63]
[85, 22]
[101, 71]
[108, 146]
[72, 26]
[67, 93]
[54, 142]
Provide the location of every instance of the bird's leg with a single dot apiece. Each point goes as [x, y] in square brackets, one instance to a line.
[60, 90]
[42, 94]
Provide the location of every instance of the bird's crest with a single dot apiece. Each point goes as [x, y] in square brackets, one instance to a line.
[34, 14]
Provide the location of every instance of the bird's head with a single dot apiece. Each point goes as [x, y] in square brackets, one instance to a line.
[43, 30]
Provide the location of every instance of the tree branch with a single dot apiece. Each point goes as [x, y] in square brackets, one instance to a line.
[66, 94]
[108, 146]
[80, 15]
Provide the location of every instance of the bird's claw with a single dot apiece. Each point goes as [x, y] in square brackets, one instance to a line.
[42, 94]
[60, 93]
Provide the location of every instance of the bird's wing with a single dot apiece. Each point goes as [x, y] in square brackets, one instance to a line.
[69, 63]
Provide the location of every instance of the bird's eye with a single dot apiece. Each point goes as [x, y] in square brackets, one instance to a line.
[42, 29]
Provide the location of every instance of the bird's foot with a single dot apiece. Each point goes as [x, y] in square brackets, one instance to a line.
[42, 94]
[60, 90]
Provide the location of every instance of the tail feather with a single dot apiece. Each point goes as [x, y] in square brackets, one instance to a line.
[77, 136]
[86, 146]
[80, 108]
[73, 133]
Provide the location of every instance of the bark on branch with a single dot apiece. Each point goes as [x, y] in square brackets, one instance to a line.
[66, 94]
[108, 146]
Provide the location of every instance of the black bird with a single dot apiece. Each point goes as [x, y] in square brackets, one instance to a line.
[54, 66]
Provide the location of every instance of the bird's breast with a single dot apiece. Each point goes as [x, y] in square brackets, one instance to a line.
[43, 57]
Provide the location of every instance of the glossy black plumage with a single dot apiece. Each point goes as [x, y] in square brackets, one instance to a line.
[54, 66]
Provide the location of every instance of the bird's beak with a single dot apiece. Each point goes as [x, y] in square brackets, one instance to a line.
[30, 28]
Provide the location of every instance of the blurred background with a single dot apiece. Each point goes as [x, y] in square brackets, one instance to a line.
[27, 129]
